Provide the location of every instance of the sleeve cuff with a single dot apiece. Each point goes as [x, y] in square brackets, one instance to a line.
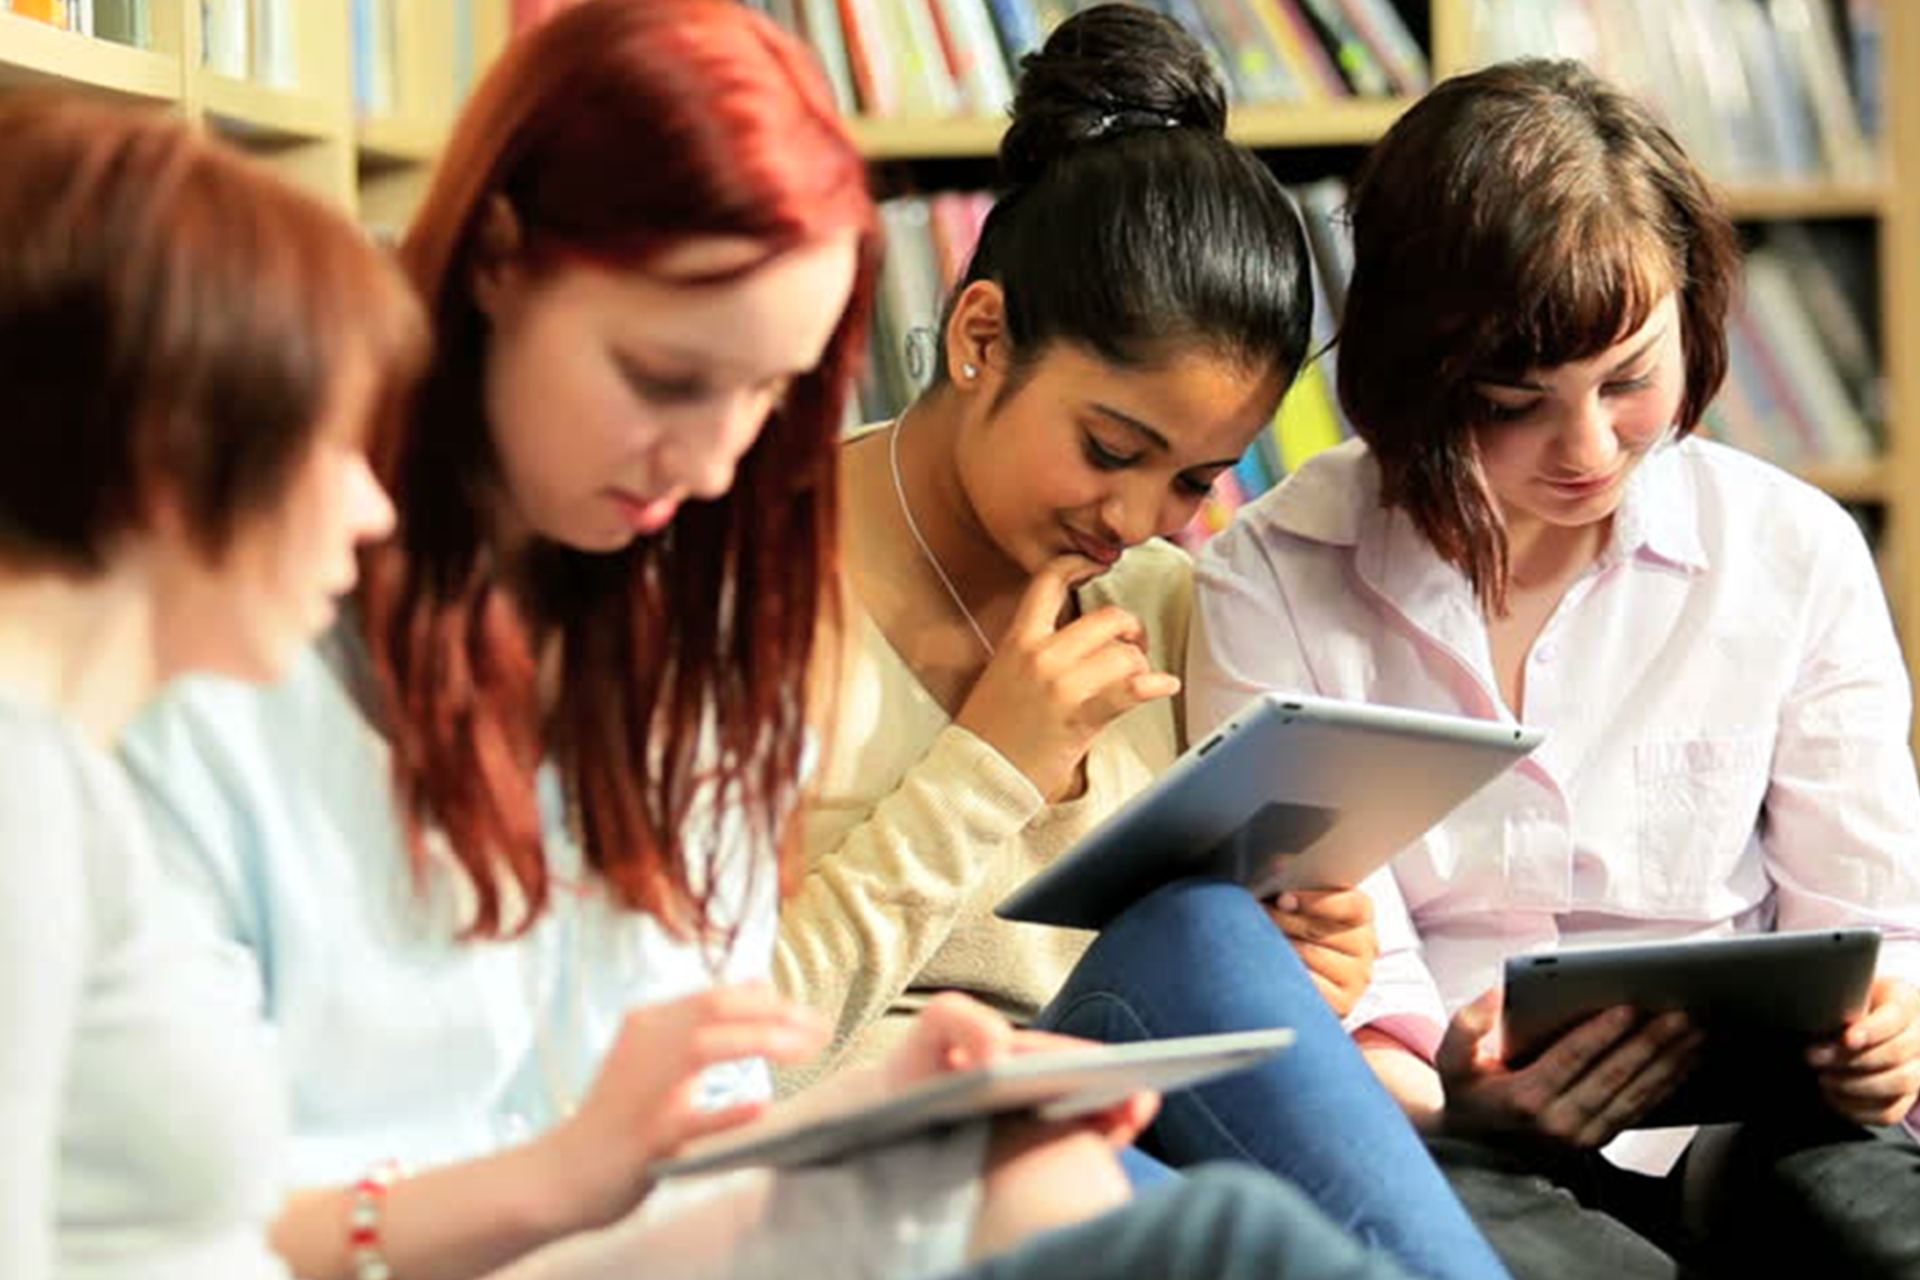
[998, 800]
[1419, 1034]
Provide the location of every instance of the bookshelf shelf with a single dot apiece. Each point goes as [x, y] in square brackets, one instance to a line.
[1848, 481]
[1348, 122]
[1805, 201]
[263, 113]
[34, 53]
[907, 138]
[390, 142]
[309, 134]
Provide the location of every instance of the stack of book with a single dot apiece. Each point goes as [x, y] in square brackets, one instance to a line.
[1757, 90]
[124, 21]
[934, 58]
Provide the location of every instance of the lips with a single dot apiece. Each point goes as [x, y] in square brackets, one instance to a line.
[643, 515]
[1098, 550]
[1581, 486]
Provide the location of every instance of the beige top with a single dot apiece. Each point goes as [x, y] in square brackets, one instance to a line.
[918, 828]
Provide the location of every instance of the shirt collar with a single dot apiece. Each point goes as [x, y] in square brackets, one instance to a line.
[1659, 514]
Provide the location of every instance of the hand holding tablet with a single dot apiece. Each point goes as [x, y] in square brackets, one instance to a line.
[1053, 1085]
[1758, 1002]
[1292, 792]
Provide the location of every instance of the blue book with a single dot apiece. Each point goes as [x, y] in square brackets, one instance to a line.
[1018, 27]
[1251, 471]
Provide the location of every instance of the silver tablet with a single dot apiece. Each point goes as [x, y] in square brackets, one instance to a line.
[1292, 792]
[1761, 999]
[1055, 1085]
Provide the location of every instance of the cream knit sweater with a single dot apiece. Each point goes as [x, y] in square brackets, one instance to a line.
[918, 828]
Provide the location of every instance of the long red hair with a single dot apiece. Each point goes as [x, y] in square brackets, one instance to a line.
[616, 130]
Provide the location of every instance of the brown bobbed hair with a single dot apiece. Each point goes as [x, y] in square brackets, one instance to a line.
[616, 131]
[1515, 218]
[173, 320]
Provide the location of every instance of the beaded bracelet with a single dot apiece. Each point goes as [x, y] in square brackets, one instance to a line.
[366, 1200]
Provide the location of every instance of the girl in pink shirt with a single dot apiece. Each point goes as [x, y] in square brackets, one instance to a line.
[1526, 530]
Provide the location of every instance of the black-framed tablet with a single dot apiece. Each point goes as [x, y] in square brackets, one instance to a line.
[1762, 999]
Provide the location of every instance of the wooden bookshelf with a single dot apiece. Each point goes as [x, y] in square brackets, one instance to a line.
[272, 117]
[1899, 245]
[395, 143]
[33, 53]
[308, 132]
[1891, 203]
[1849, 481]
[1348, 122]
[1806, 201]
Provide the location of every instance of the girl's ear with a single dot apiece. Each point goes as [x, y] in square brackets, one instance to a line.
[977, 336]
[499, 271]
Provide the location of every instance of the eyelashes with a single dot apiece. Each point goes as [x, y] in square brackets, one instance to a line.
[1493, 411]
[1101, 458]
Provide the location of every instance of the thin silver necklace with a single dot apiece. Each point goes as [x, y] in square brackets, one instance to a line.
[900, 492]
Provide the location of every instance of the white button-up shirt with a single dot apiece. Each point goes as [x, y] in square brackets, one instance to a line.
[1725, 705]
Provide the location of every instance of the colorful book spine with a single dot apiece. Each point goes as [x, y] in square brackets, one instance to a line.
[52, 12]
[124, 21]
[820, 24]
[276, 53]
[1386, 33]
[1300, 47]
[225, 39]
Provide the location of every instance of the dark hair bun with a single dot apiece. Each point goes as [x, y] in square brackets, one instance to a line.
[1106, 72]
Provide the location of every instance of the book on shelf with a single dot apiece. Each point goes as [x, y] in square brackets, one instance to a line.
[466, 50]
[1757, 90]
[1251, 60]
[1385, 31]
[974, 55]
[226, 37]
[1357, 60]
[940, 58]
[55, 13]
[926, 83]
[276, 48]
[869, 58]
[1299, 46]
[371, 31]
[819, 26]
[124, 21]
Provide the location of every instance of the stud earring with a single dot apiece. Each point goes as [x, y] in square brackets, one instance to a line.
[969, 371]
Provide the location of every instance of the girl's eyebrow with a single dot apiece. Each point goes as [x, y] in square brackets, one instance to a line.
[1632, 358]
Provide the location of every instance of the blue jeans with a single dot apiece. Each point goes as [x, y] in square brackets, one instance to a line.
[1201, 956]
[1222, 1223]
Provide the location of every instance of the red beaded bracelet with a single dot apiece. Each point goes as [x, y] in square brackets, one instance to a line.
[365, 1202]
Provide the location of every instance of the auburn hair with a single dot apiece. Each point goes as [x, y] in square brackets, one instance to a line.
[1516, 218]
[173, 320]
[616, 130]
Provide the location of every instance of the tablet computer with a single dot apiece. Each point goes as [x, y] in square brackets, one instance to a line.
[1055, 1085]
[1291, 792]
[1761, 998]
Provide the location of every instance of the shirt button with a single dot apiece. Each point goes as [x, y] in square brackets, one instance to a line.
[1544, 653]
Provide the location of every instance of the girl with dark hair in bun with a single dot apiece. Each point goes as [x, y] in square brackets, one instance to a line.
[1138, 303]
